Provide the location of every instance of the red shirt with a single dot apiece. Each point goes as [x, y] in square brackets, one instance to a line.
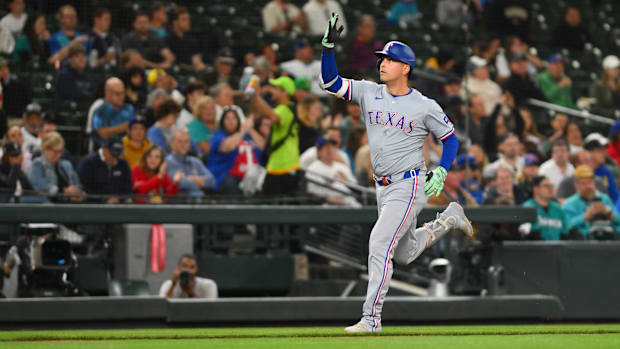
[145, 185]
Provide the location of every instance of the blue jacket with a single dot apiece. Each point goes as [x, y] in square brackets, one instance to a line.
[574, 208]
[98, 178]
[190, 166]
[107, 116]
[43, 177]
[608, 179]
[59, 40]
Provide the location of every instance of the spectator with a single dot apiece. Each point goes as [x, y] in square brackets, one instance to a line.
[223, 73]
[73, 83]
[15, 20]
[405, 12]
[283, 159]
[160, 133]
[570, 33]
[182, 42]
[222, 94]
[150, 178]
[452, 189]
[555, 85]
[131, 58]
[302, 89]
[453, 13]
[477, 119]
[322, 172]
[530, 132]
[597, 149]
[135, 142]
[153, 49]
[32, 121]
[567, 186]
[558, 167]
[158, 19]
[514, 45]
[7, 41]
[113, 116]
[154, 99]
[309, 112]
[14, 134]
[520, 85]
[280, 16]
[574, 137]
[194, 91]
[551, 224]
[471, 175]
[478, 82]
[352, 121]
[310, 155]
[362, 59]
[135, 87]
[33, 45]
[13, 180]
[231, 152]
[525, 178]
[16, 93]
[51, 175]
[509, 149]
[318, 13]
[105, 173]
[304, 65]
[103, 46]
[439, 65]
[589, 211]
[363, 166]
[606, 90]
[196, 177]
[68, 35]
[504, 192]
[558, 130]
[185, 284]
[202, 128]
[613, 147]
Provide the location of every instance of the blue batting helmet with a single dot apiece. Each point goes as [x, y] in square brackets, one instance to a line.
[398, 51]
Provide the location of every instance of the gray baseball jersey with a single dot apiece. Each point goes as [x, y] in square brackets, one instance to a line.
[397, 126]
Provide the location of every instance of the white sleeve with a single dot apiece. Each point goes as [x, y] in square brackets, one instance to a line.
[165, 287]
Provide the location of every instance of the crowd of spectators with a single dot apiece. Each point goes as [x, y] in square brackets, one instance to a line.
[254, 122]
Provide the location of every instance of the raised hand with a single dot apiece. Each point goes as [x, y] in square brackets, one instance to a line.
[332, 32]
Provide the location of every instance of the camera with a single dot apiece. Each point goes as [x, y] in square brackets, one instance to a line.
[185, 277]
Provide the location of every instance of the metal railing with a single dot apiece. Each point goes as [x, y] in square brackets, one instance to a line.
[584, 114]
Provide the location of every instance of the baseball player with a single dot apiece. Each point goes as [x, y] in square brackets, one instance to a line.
[398, 119]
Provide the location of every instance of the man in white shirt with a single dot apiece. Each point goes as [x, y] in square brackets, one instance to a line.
[279, 16]
[558, 167]
[319, 12]
[305, 66]
[14, 21]
[185, 284]
[33, 121]
[311, 154]
[508, 146]
[479, 83]
[222, 95]
[324, 169]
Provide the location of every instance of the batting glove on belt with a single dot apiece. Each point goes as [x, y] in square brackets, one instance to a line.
[332, 33]
[434, 181]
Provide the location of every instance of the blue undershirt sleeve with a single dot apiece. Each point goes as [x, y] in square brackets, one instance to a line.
[450, 148]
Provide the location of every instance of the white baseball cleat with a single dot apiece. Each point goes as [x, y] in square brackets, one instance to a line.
[357, 328]
[462, 223]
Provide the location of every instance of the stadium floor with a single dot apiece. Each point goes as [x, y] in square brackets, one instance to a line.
[461, 337]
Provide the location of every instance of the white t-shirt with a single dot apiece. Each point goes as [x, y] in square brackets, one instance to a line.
[203, 288]
[319, 167]
[273, 15]
[310, 155]
[319, 15]
[490, 169]
[185, 117]
[311, 71]
[32, 144]
[14, 25]
[488, 90]
[553, 172]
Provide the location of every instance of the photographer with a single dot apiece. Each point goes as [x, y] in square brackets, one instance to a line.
[185, 284]
[589, 211]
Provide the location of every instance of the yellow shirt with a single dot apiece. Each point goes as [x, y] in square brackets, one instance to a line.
[133, 154]
[286, 158]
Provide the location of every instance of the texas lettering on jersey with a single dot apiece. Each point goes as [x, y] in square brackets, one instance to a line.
[390, 119]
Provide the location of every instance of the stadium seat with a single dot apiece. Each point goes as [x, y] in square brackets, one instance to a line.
[117, 288]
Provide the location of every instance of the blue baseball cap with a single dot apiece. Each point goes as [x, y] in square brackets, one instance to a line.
[556, 57]
[322, 141]
[463, 159]
[531, 159]
[615, 128]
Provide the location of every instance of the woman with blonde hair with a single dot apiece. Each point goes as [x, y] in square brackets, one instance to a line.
[52, 175]
[309, 113]
[204, 125]
[149, 177]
